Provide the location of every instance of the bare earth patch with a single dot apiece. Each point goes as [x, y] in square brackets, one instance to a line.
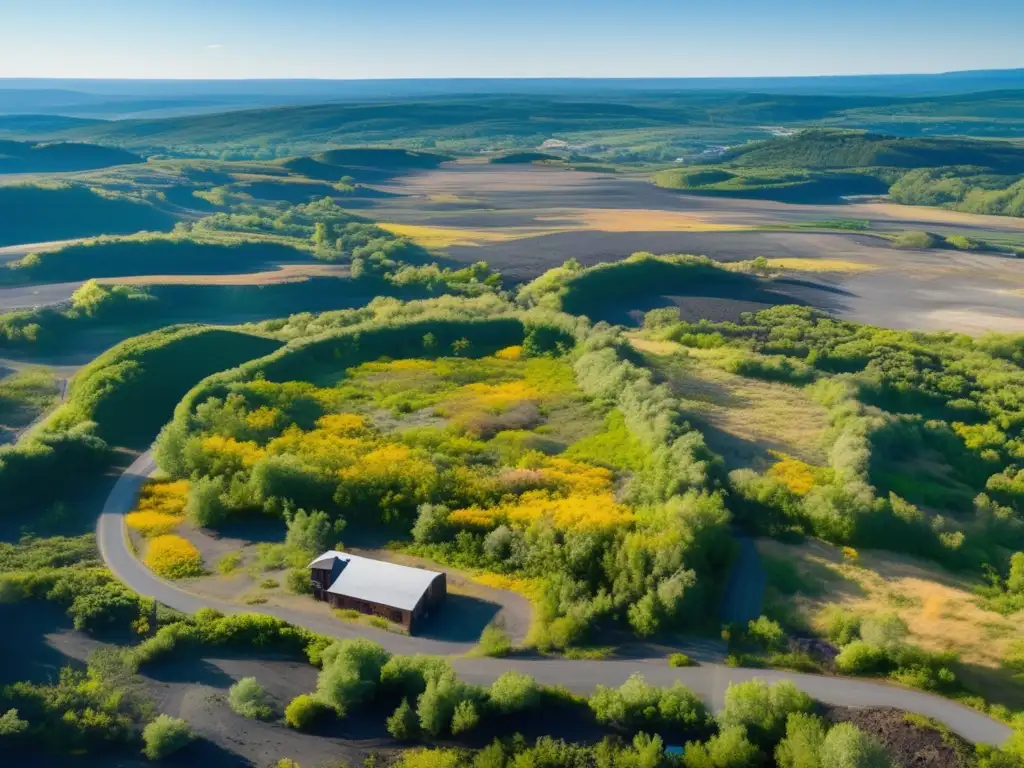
[286, 273]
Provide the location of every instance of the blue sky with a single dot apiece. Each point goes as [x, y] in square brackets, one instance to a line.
[504, 38]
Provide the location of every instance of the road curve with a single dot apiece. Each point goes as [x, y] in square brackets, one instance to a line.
[710, 681]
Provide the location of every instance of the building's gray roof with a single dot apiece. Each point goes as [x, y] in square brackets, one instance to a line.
[375, 581]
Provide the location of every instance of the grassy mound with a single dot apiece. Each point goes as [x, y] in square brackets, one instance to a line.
[784, 184]
[148, 255]
[592, 291]
[131, 390]
[29, 157]
[40, 213]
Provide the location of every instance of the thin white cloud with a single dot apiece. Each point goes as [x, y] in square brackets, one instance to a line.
[214, 46]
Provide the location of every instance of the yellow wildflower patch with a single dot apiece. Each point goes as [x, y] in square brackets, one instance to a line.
[524, 586]
[248, 452]
[509, 353]
[596, 512]
[350, 424]
[169, 498]
[151, 523]
[798, 476]
[161, 506]
[496, 397]
[173, 557]
[263, 418]
[575, 477]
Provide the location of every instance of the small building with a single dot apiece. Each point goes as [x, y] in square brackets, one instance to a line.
[398, 593]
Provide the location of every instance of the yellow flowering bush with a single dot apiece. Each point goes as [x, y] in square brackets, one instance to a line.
[509, 353]
[168, 497]
[150, 523]
[799, 476]
[495, 397]
[173, 557]
[594, 512]
[344, 424]
[161, 507]
[263, 418]
[523, 585]
[231, 454]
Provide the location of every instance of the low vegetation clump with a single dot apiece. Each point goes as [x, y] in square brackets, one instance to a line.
[304, 712]
[494, 641]
[165, 736]
[680, 660]
[637, 706]
[173, 557]
[916, 240]
[250, 699]
[876, 645]
[159, 509]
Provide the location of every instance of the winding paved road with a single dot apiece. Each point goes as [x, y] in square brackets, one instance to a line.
[709, 681]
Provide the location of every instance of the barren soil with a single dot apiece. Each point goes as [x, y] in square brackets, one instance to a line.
[601, 217]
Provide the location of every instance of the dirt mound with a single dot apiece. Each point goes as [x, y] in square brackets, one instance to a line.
[913, 741]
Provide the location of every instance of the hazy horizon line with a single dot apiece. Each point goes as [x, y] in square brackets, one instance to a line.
[519, 77]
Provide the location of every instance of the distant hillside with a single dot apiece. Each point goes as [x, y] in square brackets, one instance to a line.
[33, 214]
[849, 149]
[364, 165]
[787, 185]
[521, 158]
[29, 157]
[522, 121]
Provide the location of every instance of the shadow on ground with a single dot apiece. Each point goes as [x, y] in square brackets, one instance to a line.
[460, 620]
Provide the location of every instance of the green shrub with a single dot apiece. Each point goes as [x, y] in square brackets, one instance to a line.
[249, 699]
[762, 708]
[494, 641]
[403, 724]
[766, 633]
[165, 736]
[680, 660]
[230, 563]
[514, 692]
[915, 240]
[847, 745]
[801, 747]
[730, 748]
[298, 581]
[11, 725]
[861, 658]
[465, 718]
[439, 702]
[635, 705]
[841, 626]
[304, 712]
[351, 673]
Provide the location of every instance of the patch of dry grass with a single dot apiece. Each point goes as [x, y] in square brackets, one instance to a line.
[939, 607]
[430, 236]
[747, 421]
[821, 265]
[638, 220]
[288, 273]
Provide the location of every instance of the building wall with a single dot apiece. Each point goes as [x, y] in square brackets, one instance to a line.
[429, 602]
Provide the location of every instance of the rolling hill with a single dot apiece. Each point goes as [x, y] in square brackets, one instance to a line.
[30, 157]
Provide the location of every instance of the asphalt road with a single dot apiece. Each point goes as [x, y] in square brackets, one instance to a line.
[710, 681]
